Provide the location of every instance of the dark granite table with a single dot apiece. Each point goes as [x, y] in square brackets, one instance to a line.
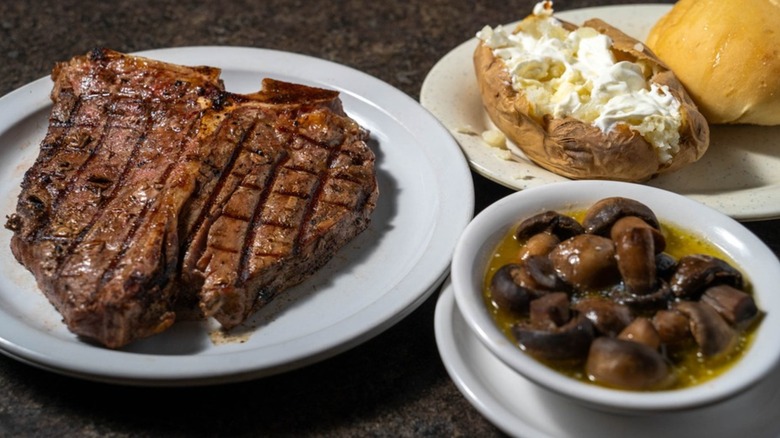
[392, 385]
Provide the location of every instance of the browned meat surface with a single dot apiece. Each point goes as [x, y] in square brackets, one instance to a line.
[299, 184]
[155, 189]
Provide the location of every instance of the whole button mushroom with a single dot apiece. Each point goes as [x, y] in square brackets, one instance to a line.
[608, 317]
[550, 311]
[559, 225]
[636, 246]
[697, 272]
[586, 261]
[642, 330]
[539, 245]
[627, 365]
[630, 222]
[538, 274]
[506, 292]
[569, 342]
[713, 334]
[672, 327]
[603, 214]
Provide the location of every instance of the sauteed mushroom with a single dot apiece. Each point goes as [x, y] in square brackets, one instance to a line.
[672, 327]
[608, 317]
[642, 330]
[514, 285]
[627, 365]
[665, 265]
[569, 342]
[550, 311]
[713, 334]
[506, 292]
[539, 275]
[631, 222]
[586, 261]
[603, 214]
[696, 272]
[735, 306]
[539, 244]
[635, 251]
[557, 224]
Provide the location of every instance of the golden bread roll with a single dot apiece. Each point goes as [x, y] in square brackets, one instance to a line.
[727, 54]
[603, 108]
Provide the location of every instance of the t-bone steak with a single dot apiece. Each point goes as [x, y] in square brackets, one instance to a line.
[156, 194]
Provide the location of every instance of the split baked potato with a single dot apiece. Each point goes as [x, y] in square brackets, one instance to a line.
[579, 146]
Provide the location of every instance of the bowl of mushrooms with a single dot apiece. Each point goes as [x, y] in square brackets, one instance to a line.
[622, 296]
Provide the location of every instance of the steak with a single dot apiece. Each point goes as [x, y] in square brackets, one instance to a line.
[158, 194]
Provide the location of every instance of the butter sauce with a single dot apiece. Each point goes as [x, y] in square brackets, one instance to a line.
[689, 366]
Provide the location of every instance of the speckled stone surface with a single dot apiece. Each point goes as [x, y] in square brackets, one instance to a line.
[392, 385]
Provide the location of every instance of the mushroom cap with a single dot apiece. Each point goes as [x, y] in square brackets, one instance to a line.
[695, 273]
[626, 364]
[569, 342]
[552, 222]
[539, 244]
[586, 261]
[506, 292]
[713, 334]
[538, 274]
[603, 214]
[642, 330]
[672, 326]
[608, 317]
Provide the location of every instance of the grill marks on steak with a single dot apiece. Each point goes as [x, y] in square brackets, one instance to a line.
[301, 186]
[155, 189]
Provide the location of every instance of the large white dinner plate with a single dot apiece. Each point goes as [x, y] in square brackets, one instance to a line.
[739, 175]
[520, 408]
[425, 202]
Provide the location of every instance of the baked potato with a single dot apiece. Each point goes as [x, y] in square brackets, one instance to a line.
[651, 127]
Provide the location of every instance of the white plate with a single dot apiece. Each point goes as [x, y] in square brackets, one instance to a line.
[739, 175]
[425, 202]
[521, 408]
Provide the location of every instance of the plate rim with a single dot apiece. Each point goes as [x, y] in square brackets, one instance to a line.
[443, 234]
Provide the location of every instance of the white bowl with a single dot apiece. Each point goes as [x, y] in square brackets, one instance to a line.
[752, 256]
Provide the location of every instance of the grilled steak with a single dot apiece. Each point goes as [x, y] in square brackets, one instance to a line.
[156, 190]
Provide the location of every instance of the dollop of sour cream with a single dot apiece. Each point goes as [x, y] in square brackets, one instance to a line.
[575, 74]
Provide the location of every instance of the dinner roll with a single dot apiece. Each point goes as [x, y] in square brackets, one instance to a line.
[727, 55]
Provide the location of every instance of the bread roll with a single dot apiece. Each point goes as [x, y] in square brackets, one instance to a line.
[727, 55]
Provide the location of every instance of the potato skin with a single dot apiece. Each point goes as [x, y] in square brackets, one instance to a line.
[579, 150]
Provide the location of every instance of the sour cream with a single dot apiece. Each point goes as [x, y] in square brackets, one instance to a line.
[575, 74]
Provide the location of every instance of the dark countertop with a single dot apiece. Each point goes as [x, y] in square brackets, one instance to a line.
[392, 385]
